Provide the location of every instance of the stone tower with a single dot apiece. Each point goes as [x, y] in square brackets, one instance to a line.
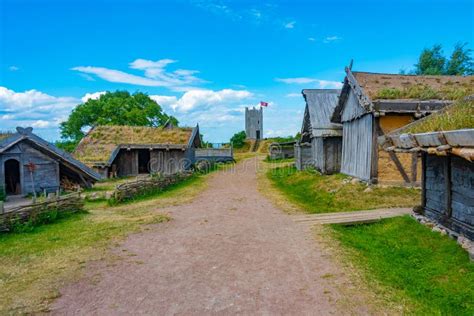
[254, 123]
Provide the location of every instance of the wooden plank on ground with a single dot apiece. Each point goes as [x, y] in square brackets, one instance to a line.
[351, 217]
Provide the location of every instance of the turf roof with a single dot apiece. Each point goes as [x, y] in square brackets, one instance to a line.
[459, 115]
[392, 86]
[97, 146]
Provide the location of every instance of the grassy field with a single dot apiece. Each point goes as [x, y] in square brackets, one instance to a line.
[316, 193]
[427, 273]
[34, 265]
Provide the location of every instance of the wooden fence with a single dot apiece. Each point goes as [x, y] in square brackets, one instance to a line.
[21, 214]
[132, 189]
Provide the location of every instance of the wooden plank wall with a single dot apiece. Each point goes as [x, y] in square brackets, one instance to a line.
[357, 147]
[462, 181]
[168, 161]
[303, 156]
[352, 108]
[448, 192]
[317, 152]
[127, 163]
[332, 154]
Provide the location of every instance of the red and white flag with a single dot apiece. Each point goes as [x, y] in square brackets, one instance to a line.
[262, 103]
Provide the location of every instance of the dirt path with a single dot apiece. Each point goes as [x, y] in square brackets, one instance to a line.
[230, 251]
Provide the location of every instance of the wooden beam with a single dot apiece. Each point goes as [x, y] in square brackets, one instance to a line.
[399, 166]
[414, 166]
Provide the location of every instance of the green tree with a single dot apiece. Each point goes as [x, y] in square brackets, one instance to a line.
[431, 61]
[460, 62]
[114, 108]
[238, 140]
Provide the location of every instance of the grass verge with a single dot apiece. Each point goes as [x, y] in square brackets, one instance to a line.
[316, 193]
[34, 265]
[429, 274]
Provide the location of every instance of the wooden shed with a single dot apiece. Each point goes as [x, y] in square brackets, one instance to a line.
[132, 150]
[320, 145]
[30, 164]
[281, 150]
[371, 105]
[447, 175]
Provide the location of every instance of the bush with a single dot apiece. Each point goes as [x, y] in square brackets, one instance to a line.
[238, 140]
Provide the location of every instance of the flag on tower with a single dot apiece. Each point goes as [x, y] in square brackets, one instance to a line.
[263, 103]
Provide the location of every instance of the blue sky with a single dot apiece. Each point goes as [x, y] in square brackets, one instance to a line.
[204, 61]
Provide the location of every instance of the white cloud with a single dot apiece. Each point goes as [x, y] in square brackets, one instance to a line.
[323, 84]
[41, 124]
[290, 25]
[293, 95]
[164, 100]
[311, 39]
[202, 99]
[330, 39]
[93, 96]
[13, 68]
[155, 74]
[33, 108]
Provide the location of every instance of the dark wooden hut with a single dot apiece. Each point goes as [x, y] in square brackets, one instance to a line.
[447, 175]
[132, 150]
[30, 164]
[371, 105]
[321, 142]
[447, 169]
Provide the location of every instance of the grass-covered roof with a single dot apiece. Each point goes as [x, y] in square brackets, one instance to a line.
[459, 115]
[393, 86]
[4, 135]
[97, 146]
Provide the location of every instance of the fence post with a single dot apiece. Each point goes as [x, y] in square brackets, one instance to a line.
[2, 210]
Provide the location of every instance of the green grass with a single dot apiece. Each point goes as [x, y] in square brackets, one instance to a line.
[36, 263]
[457, 116]
[316, 193]
[279, 160]
[425, 271]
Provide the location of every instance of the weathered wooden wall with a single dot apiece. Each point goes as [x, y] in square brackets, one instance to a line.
[214, 154]
[303, 156]
[168, 161]
[357, 142]
[332, 154]
[449, 192]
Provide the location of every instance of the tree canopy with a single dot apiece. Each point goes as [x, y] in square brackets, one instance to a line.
[238, 140]
[114, 108]
[433, 62]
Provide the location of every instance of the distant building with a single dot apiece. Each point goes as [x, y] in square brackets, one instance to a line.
[30, 164]
[132, 150]
[372, 105]
[320, 145]
[254, 123]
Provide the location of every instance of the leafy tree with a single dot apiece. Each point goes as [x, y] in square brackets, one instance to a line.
[431, 61]
[460, 62]
[238, 140]
[66, 145]
[114, 108]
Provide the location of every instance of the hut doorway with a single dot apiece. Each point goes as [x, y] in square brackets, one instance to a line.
[144, 161]
[12, 177]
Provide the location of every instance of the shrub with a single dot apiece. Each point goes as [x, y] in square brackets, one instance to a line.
[238, 140]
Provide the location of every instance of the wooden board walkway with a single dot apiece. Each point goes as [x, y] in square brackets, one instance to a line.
[349, 218]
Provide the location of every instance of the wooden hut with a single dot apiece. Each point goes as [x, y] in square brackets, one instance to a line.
[132, 150]
[371, 105]
[321, 142]
[30, 164]
[447, 169]
[281, 150]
